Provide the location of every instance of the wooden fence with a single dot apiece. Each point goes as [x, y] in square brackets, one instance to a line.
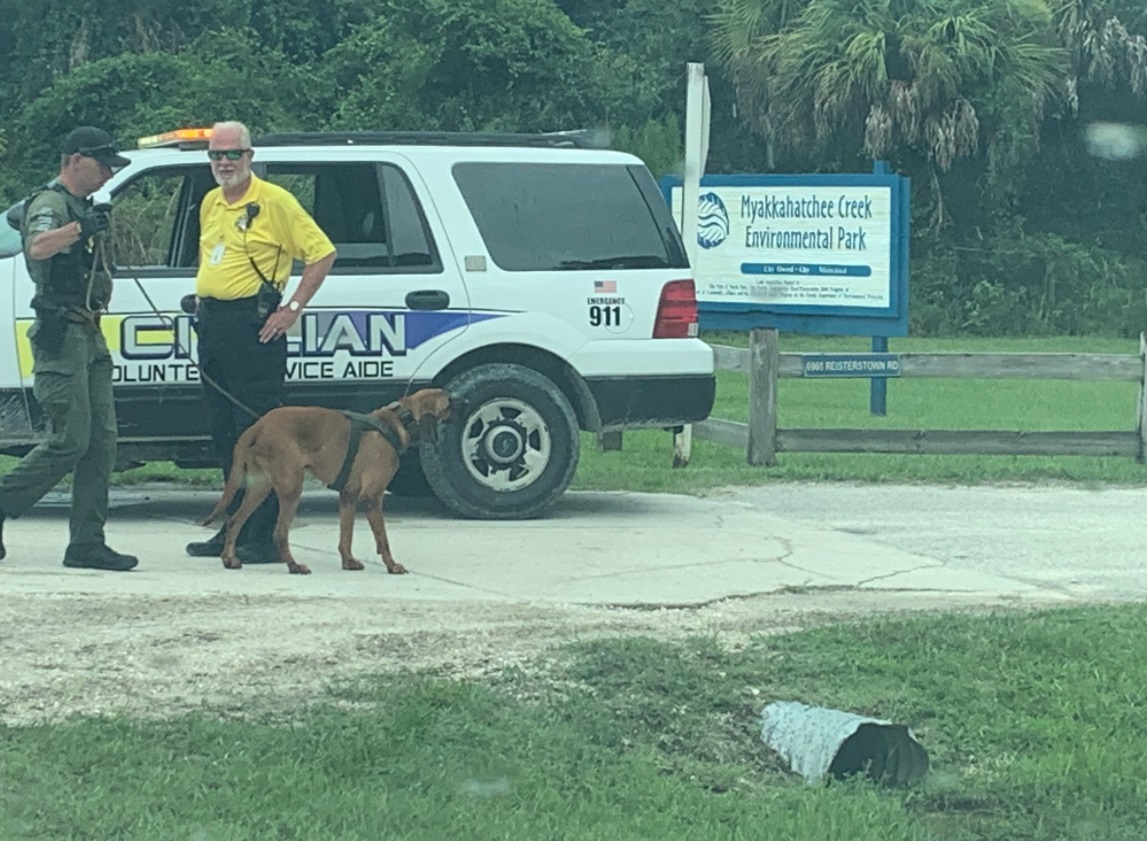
[764, 364]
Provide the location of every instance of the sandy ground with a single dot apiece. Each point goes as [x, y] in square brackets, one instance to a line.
[94, 654]
[234, 653]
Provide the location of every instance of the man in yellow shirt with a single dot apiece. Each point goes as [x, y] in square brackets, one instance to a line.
[250, 231]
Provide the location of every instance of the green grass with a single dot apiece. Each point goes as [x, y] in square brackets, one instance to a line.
[1033, 723]
[645, 462]
[1033, 720]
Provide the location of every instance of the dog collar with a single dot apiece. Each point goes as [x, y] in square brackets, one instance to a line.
[407, 419]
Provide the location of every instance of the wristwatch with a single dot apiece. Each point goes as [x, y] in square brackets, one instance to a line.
[293, 305]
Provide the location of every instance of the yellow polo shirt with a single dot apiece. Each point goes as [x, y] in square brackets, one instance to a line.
[281, 231]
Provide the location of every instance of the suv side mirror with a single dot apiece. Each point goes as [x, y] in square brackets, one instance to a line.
[15, 216]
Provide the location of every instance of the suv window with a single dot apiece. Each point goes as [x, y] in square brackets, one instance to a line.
[156, 218]
[542, 217]
[369, 211]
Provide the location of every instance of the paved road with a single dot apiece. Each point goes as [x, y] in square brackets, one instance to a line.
[1081, 543]
[1034, 544]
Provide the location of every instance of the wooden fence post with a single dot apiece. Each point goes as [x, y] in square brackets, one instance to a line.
[609, 442]
[764, 362]
[1141, 419]
[683, 446]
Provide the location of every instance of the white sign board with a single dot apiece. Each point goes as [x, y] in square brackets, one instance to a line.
[803, 246]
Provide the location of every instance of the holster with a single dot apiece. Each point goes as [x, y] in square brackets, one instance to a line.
[49, 330]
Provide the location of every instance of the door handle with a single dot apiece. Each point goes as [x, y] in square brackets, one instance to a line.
[428, 299]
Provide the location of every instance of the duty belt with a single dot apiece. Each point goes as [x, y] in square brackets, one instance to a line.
[78, 315]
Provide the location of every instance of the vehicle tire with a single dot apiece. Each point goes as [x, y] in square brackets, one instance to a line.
[512, 453]
[410, 481]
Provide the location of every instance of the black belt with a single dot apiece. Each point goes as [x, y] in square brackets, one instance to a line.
[229, 304]
[82, 316]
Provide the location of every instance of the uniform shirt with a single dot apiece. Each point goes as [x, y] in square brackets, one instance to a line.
[279, 232]
[54, 208]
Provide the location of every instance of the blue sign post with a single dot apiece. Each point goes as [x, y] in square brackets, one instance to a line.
[816, 254]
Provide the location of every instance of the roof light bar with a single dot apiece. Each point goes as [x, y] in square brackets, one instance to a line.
[175, 138]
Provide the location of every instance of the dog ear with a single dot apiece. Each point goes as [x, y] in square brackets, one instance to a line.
[428, 427]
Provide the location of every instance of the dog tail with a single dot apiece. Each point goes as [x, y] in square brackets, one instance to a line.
[237, 477]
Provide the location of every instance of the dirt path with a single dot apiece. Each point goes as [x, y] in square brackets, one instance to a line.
[68, 655]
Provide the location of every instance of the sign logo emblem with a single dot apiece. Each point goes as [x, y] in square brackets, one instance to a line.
[712, 220]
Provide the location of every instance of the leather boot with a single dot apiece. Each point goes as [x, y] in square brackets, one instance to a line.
[98, 556]
[210, 548]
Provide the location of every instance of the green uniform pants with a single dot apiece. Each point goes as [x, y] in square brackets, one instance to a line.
[74, 388]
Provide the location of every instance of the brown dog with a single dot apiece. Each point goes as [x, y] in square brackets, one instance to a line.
[274, 453]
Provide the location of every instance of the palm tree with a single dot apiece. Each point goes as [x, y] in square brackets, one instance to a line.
[737, 27]
[1102, 50]
[937, 77]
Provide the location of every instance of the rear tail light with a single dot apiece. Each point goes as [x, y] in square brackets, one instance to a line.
[676, 311]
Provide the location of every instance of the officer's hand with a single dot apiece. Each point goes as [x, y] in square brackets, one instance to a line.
[95, 220]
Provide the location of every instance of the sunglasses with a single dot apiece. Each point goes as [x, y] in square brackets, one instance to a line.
[229, 154]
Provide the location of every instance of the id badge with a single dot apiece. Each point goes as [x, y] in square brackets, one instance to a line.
[217, 254]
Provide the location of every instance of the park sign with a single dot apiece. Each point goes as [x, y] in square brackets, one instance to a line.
[818, 253]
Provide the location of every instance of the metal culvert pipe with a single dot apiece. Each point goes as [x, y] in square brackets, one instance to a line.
[817, 742]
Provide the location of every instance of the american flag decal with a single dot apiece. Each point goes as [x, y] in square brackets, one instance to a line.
[605, 286]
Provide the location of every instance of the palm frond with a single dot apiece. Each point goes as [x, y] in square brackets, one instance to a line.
[921, 73]
[737, 24]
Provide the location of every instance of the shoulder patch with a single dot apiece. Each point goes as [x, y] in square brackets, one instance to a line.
[48, 210]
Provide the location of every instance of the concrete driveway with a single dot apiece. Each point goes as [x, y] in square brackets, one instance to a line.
[627, 549]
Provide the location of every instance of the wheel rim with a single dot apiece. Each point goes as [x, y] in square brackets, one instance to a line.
[506, 445]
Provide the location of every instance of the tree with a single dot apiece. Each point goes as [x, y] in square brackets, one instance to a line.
[46, 41]
[884, 76]
[224, 76]
[465, 65]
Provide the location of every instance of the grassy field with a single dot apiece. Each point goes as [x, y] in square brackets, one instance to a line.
[645, 463]
[1033, 722]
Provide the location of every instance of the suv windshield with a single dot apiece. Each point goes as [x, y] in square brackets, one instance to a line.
[9, 238]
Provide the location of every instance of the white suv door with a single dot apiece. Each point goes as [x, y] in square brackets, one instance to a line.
[15, 420]
[393, 297]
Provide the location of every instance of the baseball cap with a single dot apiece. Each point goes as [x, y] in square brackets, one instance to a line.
[95, 143]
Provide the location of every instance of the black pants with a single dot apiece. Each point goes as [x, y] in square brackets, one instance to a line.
[252, 372]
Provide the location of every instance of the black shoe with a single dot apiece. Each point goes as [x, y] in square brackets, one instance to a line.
[212, 548]
[257, 552]
[3, 551]
[98, 556]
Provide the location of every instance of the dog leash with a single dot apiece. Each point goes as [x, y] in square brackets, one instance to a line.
[168, 322]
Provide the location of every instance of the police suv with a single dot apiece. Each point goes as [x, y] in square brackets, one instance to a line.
[538, 277]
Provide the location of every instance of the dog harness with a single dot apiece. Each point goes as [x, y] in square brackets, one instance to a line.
[360, 423]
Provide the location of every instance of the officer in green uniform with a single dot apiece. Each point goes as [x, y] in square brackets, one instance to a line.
[65, 251]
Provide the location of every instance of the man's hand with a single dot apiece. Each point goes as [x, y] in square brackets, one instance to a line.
[95, 220]
[277, 324]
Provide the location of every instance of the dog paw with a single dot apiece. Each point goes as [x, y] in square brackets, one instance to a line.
[232, 563]
[396, 569]
[353, 564]
[299, 569]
